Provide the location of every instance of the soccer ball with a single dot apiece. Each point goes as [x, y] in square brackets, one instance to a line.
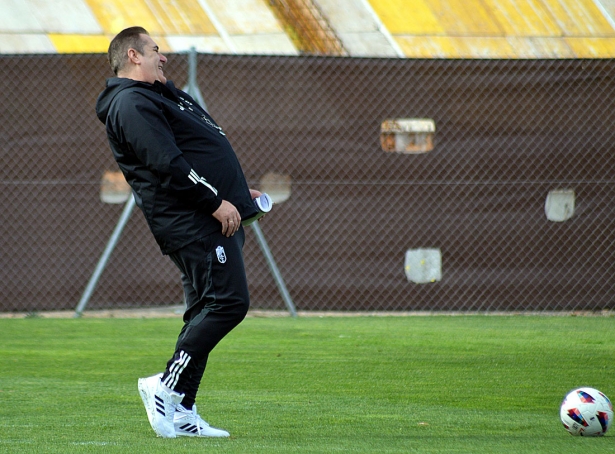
[586, 412]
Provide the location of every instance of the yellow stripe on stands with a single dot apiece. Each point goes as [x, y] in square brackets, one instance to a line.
[543, 48]
[78, 44]
[483, 47]
[464, 18]
[159, 17]
[592, 47]
[579, 18]
[523, 17]
[116, 15]
[427, 47]
[182, 17]
[449, 47]
[540, 47]
[407, 17]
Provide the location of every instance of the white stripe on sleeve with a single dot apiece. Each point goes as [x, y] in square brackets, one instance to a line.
[196, 179]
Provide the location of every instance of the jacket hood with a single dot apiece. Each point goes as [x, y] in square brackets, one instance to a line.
[114, 86]
[117, 84]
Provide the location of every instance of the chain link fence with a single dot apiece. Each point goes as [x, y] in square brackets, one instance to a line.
[500, 199]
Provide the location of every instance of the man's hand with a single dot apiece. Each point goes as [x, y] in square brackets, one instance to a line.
[229, 217]
[254, 193]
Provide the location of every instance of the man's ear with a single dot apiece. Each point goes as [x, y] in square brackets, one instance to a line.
[134, 56]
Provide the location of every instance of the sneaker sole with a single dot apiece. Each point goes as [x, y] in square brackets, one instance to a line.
[149, 407]
[144, 397]
[189, 434]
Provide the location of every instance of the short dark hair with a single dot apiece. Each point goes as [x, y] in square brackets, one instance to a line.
[124, 40]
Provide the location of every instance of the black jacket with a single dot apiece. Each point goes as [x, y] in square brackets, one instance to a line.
[174, 156]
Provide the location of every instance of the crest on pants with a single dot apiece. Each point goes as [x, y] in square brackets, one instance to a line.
[221, 254]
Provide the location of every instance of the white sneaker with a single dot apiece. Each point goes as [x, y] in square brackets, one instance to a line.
[188, 423]
[159, 405]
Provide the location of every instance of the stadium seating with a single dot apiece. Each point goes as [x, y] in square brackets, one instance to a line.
[376, 28]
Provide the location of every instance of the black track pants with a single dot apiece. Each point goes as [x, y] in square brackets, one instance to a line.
[217, 300]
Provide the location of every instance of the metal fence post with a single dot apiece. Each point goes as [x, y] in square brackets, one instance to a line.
[104, 258]
[277, 276]
[192, 87]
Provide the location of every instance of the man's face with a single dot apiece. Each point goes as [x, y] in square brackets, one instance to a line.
[152, 62]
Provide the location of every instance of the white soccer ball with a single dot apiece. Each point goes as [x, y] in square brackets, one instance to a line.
[586, 412]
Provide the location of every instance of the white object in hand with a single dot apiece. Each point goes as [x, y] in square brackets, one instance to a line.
[263, 204]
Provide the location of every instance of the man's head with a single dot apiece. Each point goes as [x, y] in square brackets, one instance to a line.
[134, 54]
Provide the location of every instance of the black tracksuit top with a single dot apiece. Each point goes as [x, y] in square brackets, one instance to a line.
[176, 159]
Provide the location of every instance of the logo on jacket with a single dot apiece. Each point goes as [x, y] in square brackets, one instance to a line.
[221, 254]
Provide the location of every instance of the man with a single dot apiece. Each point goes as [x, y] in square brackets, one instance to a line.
[189, 184]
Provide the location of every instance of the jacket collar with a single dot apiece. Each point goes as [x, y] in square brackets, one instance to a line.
[167, 90]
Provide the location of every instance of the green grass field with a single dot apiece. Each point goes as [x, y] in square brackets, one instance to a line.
[439, 384]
